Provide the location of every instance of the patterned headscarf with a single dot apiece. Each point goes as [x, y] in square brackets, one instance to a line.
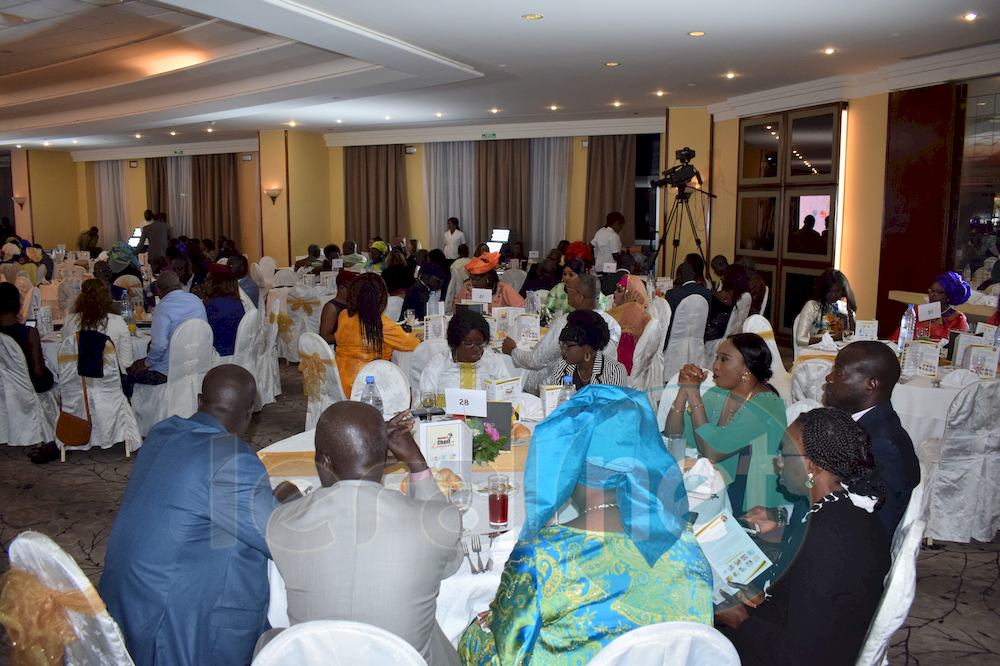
[579, 250]
[484, 263]
[120, 257]
[958, 290]
[606, 437]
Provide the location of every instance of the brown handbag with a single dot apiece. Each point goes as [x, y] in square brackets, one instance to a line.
[72, 430]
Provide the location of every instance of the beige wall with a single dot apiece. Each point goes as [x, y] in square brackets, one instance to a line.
[416, 203]
[577, 192]
[55, 205]
[274, 217]
[689, 127]
[21, 188]
[248, 192]
[864, 197]
[338, 222]
[308, 190]
[86, 196]
[135, 189]
[725, 174]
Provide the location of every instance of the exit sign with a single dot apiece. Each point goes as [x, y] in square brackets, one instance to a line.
[488, 135]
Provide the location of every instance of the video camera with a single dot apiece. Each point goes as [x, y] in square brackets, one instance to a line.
[681, 174]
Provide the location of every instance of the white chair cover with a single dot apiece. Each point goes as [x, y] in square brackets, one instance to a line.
[795, 344]
[26, 418]
[659, 308]
[394, 308]
[963, 468]
[284, 278]
[670, 393]
[808, 378]
[41, 273]
[111, 416]
[257, 275]
[391, 383]
[190, 358]
[99, 641]
[763, 302]
[669, 644]
[68, 290]
[304, 305]
[780, 379]
[331, 390]
[266, 371]
[268, 266]
[422, 355]
[736, 318]
[337, 643]
[687, 339]
[900, 586]
[515, 277]
[31, 296]
[245, 349]
[797, 409]
[647, 359]
[247, 302]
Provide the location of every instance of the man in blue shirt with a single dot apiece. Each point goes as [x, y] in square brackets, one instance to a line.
[176, 306]
[186, 569]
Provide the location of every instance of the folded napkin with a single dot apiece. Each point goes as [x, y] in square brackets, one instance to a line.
[529, 407]
[826, 343]
[959, 378]
[703, 480]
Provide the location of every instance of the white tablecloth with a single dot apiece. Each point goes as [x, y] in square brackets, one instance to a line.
[922, 409]
[52, 342]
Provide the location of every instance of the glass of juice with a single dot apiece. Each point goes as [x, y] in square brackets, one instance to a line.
[499, 486]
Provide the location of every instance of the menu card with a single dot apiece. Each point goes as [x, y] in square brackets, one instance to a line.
[502, 389]
[733, 555]
[988, 331]
[528, 328]
[866, 329]
[506, 321]
[961, 346]
[434, 327]
[447, 444]
[983, 361]
[550, 398]
[920, 358]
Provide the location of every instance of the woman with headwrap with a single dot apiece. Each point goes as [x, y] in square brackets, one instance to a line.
[627, 560]
[364, 333]
[948, 289]
[556, 303]
[123, 261]
[819, 610]
[482, 272]
[377, 253]
[631, 299]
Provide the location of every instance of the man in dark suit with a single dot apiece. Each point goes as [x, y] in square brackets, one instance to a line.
[186, 569]
[861, 383]
[686, 277]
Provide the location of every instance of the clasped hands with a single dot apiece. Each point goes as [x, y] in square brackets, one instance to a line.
[401, 442]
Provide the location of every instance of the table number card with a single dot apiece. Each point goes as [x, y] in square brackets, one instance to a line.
[336, 264]
[447, 445]
[528, 328]
[928, 311]
[466, 402]
[866, 329]
[532, 254]
[609, 267]
[983, 361]
[921, 358]
[482, 296]
[434, 327]
[988, 331]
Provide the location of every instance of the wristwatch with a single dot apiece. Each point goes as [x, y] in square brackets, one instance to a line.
[781, 516]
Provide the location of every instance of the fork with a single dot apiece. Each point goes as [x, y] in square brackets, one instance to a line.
[465, 549]
[477, 548]
[489, 562]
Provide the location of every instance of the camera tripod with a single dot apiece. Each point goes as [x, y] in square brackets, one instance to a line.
[674, 226]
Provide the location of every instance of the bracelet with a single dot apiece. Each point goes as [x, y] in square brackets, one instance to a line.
[781, 515]
[676, 410]
[691, 408]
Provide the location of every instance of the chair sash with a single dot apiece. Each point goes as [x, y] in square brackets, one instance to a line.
[313, 368]
[306, 304]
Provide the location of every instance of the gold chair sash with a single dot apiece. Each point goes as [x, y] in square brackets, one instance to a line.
[303, 304]
[36, 617]
[767, 335]
[284, 326]
[313, 368]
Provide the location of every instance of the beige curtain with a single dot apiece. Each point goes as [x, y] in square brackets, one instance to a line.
[375, 193]
[215, 200]
[157, 198]
[503, 188]
[610, 184]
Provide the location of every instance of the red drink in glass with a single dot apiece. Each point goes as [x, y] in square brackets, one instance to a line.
[498, 510]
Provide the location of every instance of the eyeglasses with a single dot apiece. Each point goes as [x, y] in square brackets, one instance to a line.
[566, 346]
[474, 345]
[782, 455]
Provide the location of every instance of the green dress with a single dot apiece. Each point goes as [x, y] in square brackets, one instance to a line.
[759, 425]
[566, 594]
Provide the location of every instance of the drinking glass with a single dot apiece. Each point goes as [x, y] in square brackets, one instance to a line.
[428, 399]
[410, 317]
[499, 486]
[461, 498]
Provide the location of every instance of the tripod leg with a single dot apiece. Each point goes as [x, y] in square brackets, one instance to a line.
[678, 227]
[672, 220]
[694, 231]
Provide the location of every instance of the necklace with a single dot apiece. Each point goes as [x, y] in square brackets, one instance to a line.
[730, 413]
[609, 505]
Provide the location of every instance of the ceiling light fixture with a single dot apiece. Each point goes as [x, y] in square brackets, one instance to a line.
[612, 63]
[829, 50]
[173, 133]
[138, 136]
[532, 17]
[18, 146]
[210, 130]
[292, 123]
[75, 141]
[730, 75]
[660, 93]
[553, 108]
[767, 127]
[339, 121]
[970, 16]
[494, 110]
[439, 115]
[45, 143]
[388, 117]
[616, 104]
[696, 33]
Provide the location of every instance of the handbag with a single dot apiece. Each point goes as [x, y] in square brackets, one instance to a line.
[72, 430]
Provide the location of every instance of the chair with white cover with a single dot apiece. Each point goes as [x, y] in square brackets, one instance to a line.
[394, 308]
[267, 372]
[670, 394]
[304, 306]
[963, 468]
[780, 379]
[422, 355]
[808, 378]
[111, 416]
[795, 344]
[31, 296]
[539, 296]
[26, 418]
[763, 302]
[737, 316]
[660, 309]
[647, 359]
[245, 349]
[263, 286]
[797, 409]
[190, 358]
[669, 644]
[391, 383]
[337, 643]
[68, 291]
[268, 266]
[515, 277]
[284, 278]
[245, 299]
[687, 337]
[98, 638]
[320, 377]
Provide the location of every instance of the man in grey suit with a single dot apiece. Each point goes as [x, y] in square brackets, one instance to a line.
[354, 550]
[155, 236]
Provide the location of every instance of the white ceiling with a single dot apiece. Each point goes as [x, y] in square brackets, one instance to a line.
[100, 71]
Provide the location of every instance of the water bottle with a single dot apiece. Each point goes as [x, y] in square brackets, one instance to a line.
[529, 303]
[568, 390]
[371, 395]
[907, 326]
[996, 338]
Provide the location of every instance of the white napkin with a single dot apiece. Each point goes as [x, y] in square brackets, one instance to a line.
[959, 378]
[703, 480]
[530, 407]
[826, 343]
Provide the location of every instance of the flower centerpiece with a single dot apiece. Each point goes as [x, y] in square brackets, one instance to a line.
[487, 443]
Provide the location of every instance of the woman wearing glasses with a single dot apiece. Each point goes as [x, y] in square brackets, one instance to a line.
[582, 342]
[469, 362]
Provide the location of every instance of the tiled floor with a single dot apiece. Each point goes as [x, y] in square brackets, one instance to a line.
[956, 614]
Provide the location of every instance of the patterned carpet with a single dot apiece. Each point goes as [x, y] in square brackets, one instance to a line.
[956, 613]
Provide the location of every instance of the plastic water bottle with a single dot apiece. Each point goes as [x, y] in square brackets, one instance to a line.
[529, 303]
[907, 325]
[371, 395]
[996, 338]
[568, 390]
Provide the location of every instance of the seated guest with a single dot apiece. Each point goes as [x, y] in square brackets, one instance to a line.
[469, 363]
[89, 241]
[351, 255]
[483, 275]
[457, 276]
[330, 315]
[758, 288]
[581, 343]
[377, 252]
[993, 279]
[697, 262]
[330, 252]
[719, 264]
[238, 267]
[176, 306]
[995, 319]
[861, 383]
[949, 289]
[542, 276]
[194, 590]
[397, 275]
[720, 308]
[381, 555]
[818, 612]
[181, 267]
[556, 303]
[630, 301]
[30, 259]
[436, 256]
[364, 333]
[825, 312]
[25, 336]
[311, 261]
[102, 272]
[430, 279]
[626, 561]
[738, 423]
[223, 308]
[94, 311]
[688, 285]
[209, 246]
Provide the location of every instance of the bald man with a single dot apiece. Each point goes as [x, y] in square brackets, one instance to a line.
[186, 570]
[354, 550]
[861, 383]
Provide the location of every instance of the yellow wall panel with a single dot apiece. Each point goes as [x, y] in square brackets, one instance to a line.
[274, 216]
[689, 127]
[725, 173]
[22, 188]
[428, 232]
[55, 205]
[308, 191]
[577, 194]
[248, 191]
[135, 188]
[338, 222]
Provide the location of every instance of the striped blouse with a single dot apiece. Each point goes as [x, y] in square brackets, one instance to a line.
[606, 371]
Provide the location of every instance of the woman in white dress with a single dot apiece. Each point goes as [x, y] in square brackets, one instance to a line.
[94, 310]
[453, 237]
[469, 361]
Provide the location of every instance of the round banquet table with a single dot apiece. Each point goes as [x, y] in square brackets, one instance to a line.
[922, 408]
[52, 342]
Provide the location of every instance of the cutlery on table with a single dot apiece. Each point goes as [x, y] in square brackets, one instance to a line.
[489, 562]
[465, 549]
[477, 548]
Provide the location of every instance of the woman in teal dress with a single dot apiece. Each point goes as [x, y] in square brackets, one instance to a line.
[628, 560]
[738, 423]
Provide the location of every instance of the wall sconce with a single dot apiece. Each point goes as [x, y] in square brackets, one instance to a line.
[20, 201]
[273, 193]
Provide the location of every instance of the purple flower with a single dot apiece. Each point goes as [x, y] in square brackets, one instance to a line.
[492, 431]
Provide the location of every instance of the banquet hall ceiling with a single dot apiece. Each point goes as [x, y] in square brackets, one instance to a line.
[98, 72]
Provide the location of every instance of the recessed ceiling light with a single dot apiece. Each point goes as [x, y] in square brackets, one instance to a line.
[45, 143]
[553, 108]
[730, 75]
[660, 93]
[616, 104]
[829, 50]
[691, 85]
[438, 114]
[292, 123]
[18, 146]
[388, 117]
[502, 66]
[210, 130]
[696, 33]
[773, 133]
[980, 103]
[612, 63]
[173, 133]
[767, 127]
[494, 110]
[138, 136]
[532, 17]
[339, 121]
[970, 16]
[75, 141]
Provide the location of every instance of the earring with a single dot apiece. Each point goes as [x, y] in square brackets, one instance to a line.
[745, 377]
[586, 357]
[809, 480]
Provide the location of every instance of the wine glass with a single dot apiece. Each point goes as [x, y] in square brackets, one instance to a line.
[460, 496]
[410, 317]
[428, 399]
